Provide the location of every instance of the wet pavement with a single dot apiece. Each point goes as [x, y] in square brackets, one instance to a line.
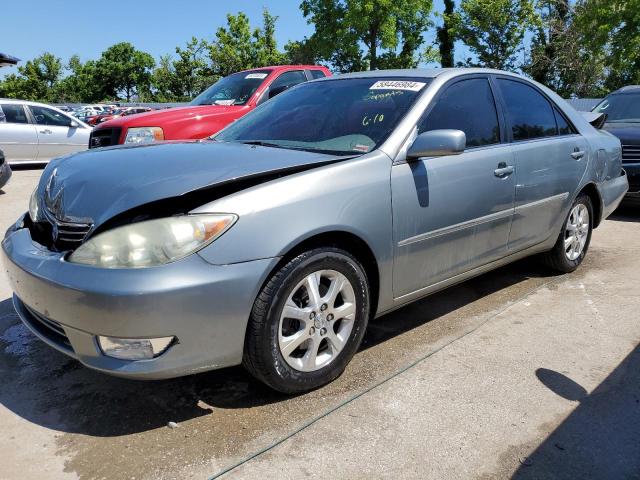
[66, 421]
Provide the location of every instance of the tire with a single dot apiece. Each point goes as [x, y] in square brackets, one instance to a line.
[279, 349]
[561, 257]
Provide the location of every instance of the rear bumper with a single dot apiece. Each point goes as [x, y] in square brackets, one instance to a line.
[205, 306]
[612, 192]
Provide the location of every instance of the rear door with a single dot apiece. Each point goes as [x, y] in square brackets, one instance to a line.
[56, 136]
[453, 213]
[550, 159]
[18, 137]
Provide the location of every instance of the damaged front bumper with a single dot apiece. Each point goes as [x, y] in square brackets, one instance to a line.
[206, 307]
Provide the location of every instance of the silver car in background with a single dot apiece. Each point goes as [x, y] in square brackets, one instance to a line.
[275, 243]
[34, 133]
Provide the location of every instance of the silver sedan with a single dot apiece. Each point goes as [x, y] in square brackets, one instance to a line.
[273, 244]
[34, 133]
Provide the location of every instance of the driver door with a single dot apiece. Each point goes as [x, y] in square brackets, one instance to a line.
[453, 213]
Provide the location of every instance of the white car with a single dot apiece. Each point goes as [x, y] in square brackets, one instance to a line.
[34, 133]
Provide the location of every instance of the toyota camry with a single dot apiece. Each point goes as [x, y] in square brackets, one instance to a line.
[273, 243]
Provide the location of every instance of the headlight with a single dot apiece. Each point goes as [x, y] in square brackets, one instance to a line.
[144, 135]
[152, 242]
[33, 206]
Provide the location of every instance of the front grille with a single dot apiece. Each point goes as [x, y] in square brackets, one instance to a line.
[48, 328]
[104, 137]
[56, 235]
[69, 235]
[630, 153]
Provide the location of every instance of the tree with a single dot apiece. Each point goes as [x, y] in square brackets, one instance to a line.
[613, 27]
[558, 57]
[494, 29]
[191, 72]
[236, 47]
[446, 34]
[124, 72]
[35, 79]
[390, 30]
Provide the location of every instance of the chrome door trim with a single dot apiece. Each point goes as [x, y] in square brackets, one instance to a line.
[480, 220]
[458, 226]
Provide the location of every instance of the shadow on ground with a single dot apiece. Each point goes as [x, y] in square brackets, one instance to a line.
[601, 437]
[45, 387]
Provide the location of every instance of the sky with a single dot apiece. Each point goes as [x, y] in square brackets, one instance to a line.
[68, 27]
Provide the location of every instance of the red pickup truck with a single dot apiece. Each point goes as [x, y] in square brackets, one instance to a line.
[225, 101]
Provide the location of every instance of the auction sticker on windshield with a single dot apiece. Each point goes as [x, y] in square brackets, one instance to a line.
[256, 75]
[397, 85]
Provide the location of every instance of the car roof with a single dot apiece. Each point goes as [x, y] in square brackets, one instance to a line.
[627, 89]
[419, 73]
[26, 102]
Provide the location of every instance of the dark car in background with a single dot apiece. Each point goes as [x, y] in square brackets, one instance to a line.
[622, 108]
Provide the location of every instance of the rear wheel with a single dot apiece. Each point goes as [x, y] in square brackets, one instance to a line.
[573, 241]
[308, 321]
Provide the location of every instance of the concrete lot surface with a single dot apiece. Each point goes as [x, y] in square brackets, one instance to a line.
[518, 373]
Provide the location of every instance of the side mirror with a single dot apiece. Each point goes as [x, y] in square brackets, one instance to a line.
[276, 91]
[73, 124]
[437, 143]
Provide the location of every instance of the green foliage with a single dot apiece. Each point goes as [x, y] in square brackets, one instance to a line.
[391, 32]
[124, 72]
[494, 30]
[558, 55]
[236, 47]
[35, 79]
[612, 27]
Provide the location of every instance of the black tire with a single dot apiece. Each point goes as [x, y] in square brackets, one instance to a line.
[262, 356]
[557, 258]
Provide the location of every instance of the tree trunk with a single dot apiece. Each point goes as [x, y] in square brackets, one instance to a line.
[445, 37]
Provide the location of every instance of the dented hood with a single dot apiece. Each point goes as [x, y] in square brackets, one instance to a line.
[96, 185]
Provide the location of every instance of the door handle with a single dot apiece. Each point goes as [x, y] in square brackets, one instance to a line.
[45, 131]
[577, 154]
[503, 170]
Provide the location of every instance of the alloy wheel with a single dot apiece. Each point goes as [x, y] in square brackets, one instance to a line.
[317, 320]
[576, 232]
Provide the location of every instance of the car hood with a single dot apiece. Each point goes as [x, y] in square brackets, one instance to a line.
[628, 133]
[96, 185]
[158, 118]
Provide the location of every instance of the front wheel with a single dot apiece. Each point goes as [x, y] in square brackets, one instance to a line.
[573, 241]
[308, 321]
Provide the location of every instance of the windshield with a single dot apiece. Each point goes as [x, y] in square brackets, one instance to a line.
[621, 108]
[342, 116]
[235, 89]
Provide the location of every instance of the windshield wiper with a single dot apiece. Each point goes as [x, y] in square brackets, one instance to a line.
[260, 143]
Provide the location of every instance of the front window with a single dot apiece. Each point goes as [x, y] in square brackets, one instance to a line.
[46, 116]
[235, 89]
[342, 117]
[622, 108]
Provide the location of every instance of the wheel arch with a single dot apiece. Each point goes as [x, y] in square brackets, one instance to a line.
[346, 241]
[592, 192]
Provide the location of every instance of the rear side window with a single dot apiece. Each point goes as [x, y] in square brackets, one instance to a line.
[468, 106]
[563, 126]
[317, 74]
[530, 114]
[10, 113]
[289, 79]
